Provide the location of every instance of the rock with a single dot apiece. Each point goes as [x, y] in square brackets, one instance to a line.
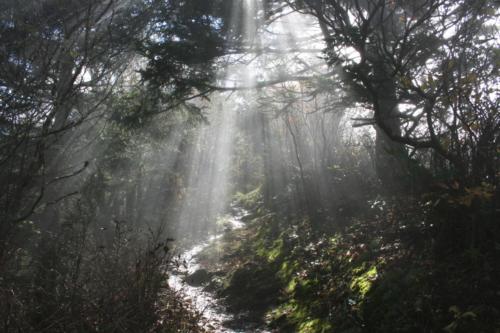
[252, 287]
[199, 278]
[214, 285]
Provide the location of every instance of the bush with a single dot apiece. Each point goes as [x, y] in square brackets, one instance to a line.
[81, 278]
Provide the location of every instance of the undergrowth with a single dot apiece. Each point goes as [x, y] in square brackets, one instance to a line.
[83, 277]
[385, 272]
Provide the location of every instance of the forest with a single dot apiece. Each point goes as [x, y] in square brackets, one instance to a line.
[240, 166]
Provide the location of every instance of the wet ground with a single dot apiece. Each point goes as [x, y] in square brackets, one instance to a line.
[215, 317]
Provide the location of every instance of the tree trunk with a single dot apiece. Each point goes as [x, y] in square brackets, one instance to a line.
[391, 158]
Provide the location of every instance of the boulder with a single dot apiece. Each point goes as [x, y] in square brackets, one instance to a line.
[199, 278]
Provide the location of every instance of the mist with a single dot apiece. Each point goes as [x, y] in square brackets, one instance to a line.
[249, 166]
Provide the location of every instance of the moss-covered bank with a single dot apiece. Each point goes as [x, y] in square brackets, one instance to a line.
[380, 274]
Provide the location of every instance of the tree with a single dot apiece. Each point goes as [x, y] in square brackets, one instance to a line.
[59, 63]
[185, 39]
[427, 69]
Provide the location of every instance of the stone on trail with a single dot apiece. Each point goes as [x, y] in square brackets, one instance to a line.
[199, 278]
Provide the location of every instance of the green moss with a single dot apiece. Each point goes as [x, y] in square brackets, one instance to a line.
[299, 313]
[301, 317]
[286, 270]
[314, 326]
[275, 251]
[363, 282]
[265, 243]
[260, 248]
[250, 199]
[269, 253]
[292, 284]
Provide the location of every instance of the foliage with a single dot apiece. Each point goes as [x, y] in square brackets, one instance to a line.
[101, 104]
[185, 38]
[71, 279]
[250, 199]
[385, 272]
[437, 59]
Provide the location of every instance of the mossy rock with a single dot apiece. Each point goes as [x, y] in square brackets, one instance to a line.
[199, 278]
[252, 287]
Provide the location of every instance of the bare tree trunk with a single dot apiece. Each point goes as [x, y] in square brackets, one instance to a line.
[307, 196]
[391, 158]
[268, 169]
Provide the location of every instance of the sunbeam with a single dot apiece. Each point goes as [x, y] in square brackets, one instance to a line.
[249, 166]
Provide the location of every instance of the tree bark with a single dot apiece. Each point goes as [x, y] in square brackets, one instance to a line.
[391, 158]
